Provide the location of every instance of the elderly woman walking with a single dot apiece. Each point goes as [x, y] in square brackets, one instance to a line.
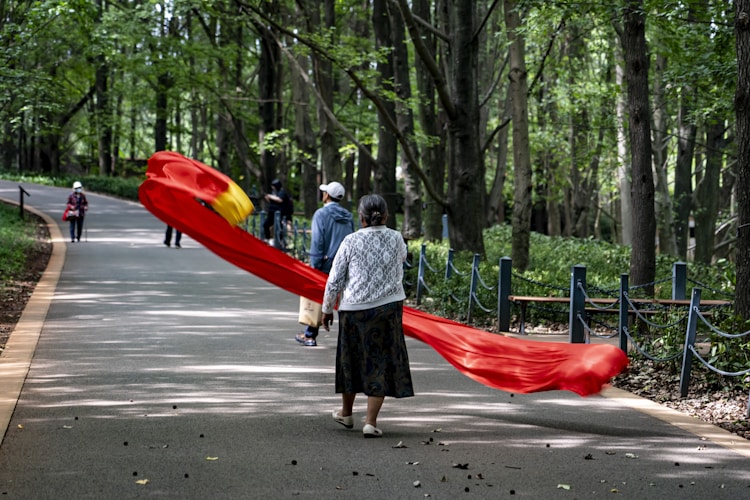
[366, 282]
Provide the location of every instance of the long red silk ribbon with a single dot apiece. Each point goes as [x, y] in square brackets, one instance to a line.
[508, 364]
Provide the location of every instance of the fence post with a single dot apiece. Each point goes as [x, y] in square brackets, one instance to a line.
[473, 287]
[21, 192]
[679, 280]
[687, 356]
[261, 235]
[577, 304]
[305, 244]
[624, 306]
[420, 273]
[449, 265]
[294, 238]
[277, 229]
[503, 290]
[445, 226]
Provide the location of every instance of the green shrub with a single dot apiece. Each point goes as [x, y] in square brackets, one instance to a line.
[16, 241]
[550, 262]
[126, 188]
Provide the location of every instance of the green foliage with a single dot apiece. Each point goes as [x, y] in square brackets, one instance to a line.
[551, 261]
[731, 355]
[115, 186]
[126, 188]
[16, 242]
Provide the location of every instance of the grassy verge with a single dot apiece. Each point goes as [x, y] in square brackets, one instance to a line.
[17, 240]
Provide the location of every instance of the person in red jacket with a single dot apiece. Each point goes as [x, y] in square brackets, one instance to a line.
[76, 211]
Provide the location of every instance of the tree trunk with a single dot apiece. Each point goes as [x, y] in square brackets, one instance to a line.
[580, 145]
[268, 68]
[304, 137]
[683, 178]
[433, 154]
[466, 186]
[102, 115]
[412, 222]
[742, 109]
[330, 158]
[664, 218]
[385, 169]
[223, 125]
[707, 193]
[623, 167]
[163, 82]
[552, 190]
[521, 220]
[643, 254]
[496, 199]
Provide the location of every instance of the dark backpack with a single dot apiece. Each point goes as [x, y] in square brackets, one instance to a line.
[287, 206]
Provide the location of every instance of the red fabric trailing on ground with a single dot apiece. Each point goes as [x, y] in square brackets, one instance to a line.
[505, 363]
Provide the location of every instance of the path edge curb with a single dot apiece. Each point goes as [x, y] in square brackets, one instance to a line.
[15, 360]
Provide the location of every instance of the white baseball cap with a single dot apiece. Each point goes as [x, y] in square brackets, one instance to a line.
[77, 185]
[334, 189]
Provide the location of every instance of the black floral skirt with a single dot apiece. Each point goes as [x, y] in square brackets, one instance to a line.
[371, 355]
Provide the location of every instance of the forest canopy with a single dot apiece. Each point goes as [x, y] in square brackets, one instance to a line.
[616, 120]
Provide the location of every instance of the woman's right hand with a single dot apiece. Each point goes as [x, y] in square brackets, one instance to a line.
[327, 321]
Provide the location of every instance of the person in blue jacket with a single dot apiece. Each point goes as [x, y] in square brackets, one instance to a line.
[330, 225]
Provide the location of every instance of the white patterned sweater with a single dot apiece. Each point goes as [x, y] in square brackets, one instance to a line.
[367, 271]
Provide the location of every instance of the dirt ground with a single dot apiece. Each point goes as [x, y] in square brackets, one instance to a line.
[718, 405]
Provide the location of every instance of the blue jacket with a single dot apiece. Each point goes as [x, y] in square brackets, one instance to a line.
[330, 224]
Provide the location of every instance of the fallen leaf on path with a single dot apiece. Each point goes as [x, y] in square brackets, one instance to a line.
[563, 486]
[142, 481]
[212, 458]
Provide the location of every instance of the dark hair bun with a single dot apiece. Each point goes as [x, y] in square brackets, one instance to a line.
[373, 209]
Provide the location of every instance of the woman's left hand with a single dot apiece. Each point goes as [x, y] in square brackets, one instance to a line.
[327, 321]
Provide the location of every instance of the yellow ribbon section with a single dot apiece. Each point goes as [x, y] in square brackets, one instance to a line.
[233, 204]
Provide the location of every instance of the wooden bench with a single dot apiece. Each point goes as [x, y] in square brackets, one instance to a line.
[522, 302]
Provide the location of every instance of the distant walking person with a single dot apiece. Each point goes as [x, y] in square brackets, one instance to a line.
[367, 283]
[168, 237]
[76, 211]
[275, 202]
[330, 225]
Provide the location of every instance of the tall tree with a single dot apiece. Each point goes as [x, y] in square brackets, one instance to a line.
[269, 68]
[623, 161]
[707, 191]
[660, 144]
[103, 118]
[742, 107]
[633, 38]
[521, 219]
[385, 167]
[412, 222]
[686, 134]
[433, 151]
[304, 138]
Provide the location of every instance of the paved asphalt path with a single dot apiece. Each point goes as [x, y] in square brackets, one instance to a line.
[175, 367]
